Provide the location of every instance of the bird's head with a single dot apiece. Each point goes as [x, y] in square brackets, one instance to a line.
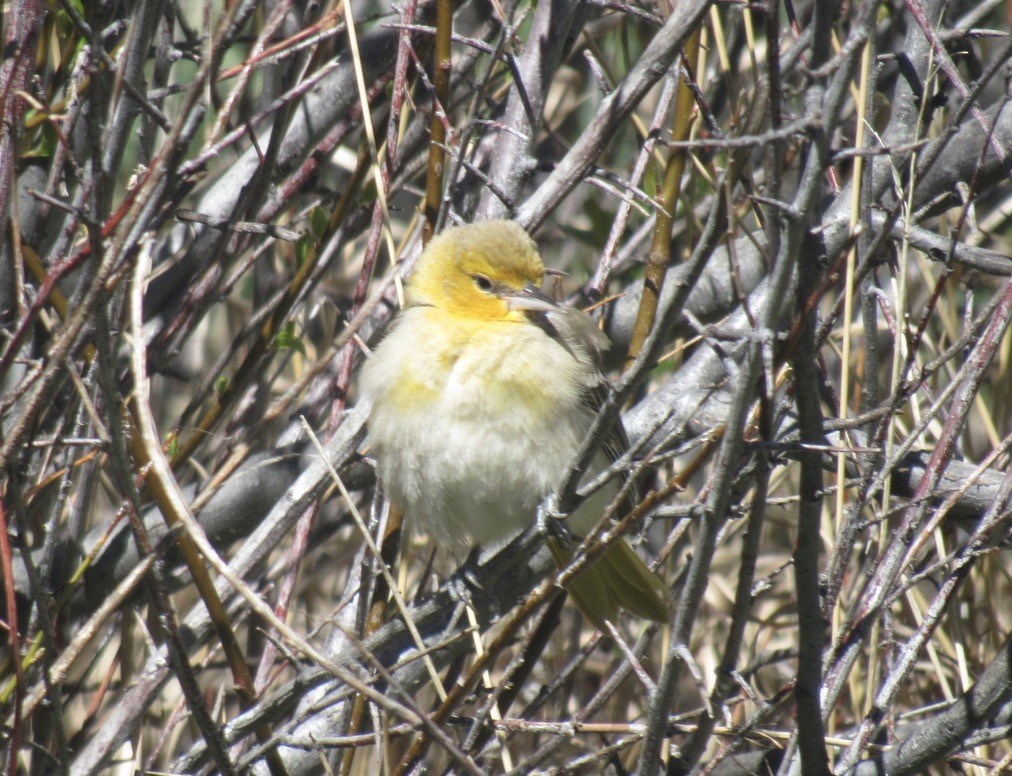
[489, 270]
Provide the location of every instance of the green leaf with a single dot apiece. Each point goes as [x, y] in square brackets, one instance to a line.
[221, 385]
[318, 220]
[63, 18]
[304, 248]
[287, 339]
[45, 143]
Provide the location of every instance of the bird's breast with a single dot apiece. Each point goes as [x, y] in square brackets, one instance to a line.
[472, 425]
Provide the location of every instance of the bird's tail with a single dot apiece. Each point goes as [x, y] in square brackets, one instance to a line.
[617, 580]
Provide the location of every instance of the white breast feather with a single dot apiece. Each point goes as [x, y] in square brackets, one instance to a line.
[465, 460]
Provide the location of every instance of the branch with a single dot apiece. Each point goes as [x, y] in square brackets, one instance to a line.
[614, 110]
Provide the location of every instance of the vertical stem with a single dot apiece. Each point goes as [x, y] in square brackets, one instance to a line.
[442, 65]
[660, 247]
[811, 736]
[871, 393]
[21, 29]
[858, 684]
[848, 293]
[13, 640]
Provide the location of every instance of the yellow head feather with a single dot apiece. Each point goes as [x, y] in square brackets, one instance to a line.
[468, 269]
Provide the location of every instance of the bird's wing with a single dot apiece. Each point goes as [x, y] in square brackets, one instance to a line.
[579, 334]
[616, 443]
[619, 579]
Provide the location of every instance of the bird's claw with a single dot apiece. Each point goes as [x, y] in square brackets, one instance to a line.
[468, 575]
[458, 587]
[551, 520]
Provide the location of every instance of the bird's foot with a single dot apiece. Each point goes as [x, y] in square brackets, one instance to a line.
[551, 521]
[467, 575]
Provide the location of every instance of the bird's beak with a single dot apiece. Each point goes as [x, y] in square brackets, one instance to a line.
[532, 299]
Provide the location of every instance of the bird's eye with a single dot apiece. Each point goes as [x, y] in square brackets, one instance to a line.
[483, 282]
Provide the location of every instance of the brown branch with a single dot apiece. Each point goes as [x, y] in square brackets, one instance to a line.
[442, 67]
[659, 257]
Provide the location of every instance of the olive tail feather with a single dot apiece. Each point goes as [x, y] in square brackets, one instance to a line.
[617, 580]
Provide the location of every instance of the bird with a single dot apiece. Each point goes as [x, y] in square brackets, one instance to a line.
[480, 394]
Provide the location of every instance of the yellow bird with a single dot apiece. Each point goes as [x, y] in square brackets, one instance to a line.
[481, 394]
